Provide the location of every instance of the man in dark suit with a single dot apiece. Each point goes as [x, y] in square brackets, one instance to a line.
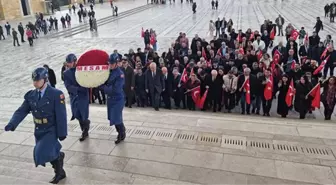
[167, 93]
[154, 85]
[129, 82]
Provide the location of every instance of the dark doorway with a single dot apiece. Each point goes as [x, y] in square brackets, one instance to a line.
[24, 7]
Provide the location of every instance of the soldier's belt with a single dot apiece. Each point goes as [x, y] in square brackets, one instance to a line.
[41, 121]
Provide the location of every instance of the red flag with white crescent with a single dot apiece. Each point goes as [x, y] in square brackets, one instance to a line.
[195, 94]
[316, 94]
[295, 34]
[184, 76]
[320, 67]
[201, 101]
[276, 56]
[290, 94]
[324, 54]
[272, 34]
[259, 55]
[268, 91]
[251, 36]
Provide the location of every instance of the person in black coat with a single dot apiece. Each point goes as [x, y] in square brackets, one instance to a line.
[305, 50]
[331, 62]
[167, 93]
[302, 102]
[317, 52]
[259, 93]
[140, 90]
[129, 83]
[319, 25]
[21, 31]
[51, 76]
[241, 80]
[214, 83]
[176, 86]
[154, 85]
[314, 40]
[328, 97]
[283, 86]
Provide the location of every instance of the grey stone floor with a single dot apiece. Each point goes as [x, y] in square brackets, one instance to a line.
[169, 147]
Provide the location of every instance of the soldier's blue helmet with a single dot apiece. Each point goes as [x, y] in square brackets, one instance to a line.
[40, 73]
[114, 58]
[71, 58]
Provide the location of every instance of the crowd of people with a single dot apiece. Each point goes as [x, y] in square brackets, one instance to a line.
[330, 11]
[234, 68]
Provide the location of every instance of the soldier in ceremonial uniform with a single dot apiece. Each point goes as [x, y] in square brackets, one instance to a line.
[115, 97]
[47, 106]
[79, 97]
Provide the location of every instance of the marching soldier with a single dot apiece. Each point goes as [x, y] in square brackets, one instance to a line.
[115, 97]
[79, 97]
[47, 106]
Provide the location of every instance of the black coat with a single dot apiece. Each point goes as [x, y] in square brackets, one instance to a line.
[168, 84]
[300, 102]
[52, 77]
[140, 86]
[129, 79]
[282, 108]
[215, 86]
[156, 82]
[305, 52]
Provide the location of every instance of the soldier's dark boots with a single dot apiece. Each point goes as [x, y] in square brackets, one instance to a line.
[85, 130]
[121, 133]
[58, 168]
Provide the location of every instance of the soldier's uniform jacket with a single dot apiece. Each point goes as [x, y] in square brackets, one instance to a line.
[115, 96]
[79, 96]
[49, 116]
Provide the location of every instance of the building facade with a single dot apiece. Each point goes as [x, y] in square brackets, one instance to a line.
[14, 9]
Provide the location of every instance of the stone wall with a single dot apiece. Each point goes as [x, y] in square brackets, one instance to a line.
[37, 6]
[11, 9]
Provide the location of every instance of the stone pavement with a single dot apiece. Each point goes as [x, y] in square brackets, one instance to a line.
[168, 147]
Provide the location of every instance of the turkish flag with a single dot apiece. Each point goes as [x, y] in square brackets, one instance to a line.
[184, 76]
[201, 101]
[247, 88]
[241, 51]
[142, 32]
[276, 56]
[295, 34]
[293, 65]
[204, 54]
[209, 63]
[306, 39]
[315, 93]
[251, 36]
[239, 38]
[259, 55]
[152, 40]
[268, 91]
[324, 54]
[195, 94]
[219, 52]
[272, 34]
[320, 67]
[290, 94]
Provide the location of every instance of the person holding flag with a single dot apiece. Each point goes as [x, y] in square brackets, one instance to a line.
[215, 83]
[328, 97]
[302, 102]
[245, 85]
[330, 62]
[191, 84]
[283, 88]
[268, 92]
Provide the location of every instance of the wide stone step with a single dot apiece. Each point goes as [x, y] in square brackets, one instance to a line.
[10, 170]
